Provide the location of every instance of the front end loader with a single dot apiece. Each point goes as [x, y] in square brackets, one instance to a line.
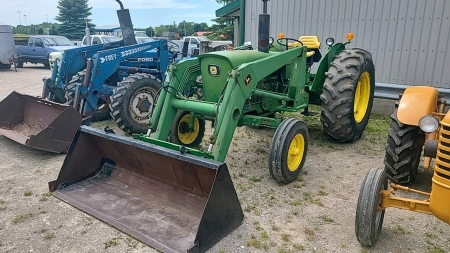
[165, 190]
[418, 125]
[123, 75]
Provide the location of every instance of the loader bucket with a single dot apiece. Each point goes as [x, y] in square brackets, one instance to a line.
[38, 123]
[171, 201]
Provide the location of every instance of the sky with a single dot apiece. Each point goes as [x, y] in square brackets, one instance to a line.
[144, 13]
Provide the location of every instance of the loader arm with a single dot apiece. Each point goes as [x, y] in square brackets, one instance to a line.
[73, 61]
[241, 85]
[107, 62]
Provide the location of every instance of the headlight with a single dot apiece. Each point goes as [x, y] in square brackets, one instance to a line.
[330, 41]
[428, 124]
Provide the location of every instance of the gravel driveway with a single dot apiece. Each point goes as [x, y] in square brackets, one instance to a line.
[313, 214]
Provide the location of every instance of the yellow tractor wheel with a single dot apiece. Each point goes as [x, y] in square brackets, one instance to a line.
[348, 93]
[288, 150]
[369, 217]
[183, 134]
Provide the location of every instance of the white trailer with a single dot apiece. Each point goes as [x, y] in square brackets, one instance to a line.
[7, 47]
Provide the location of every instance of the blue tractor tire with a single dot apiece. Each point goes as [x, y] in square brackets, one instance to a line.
[133, 100]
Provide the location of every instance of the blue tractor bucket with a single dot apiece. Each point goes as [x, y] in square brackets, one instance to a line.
[38, 123]
[171, 201]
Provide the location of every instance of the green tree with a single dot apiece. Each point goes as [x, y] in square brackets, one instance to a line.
[73, 15]
[40, 30]
[150, 32]
[223, 28]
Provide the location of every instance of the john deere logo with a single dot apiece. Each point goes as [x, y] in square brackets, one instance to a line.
[214, 70]
[248, 80]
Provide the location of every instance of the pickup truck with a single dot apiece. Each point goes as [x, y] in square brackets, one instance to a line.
[39, 48]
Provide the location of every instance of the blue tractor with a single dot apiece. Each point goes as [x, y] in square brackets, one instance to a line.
[91, 83]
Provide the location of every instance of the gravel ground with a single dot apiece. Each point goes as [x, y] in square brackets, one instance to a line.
[314, 214]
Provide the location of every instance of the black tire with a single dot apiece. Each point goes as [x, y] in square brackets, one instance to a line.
[368, 220]
[403, 150]
[102, 112]
[187, 138]
[128, 117]
[19, 64]
[349, 71]
[282, 170]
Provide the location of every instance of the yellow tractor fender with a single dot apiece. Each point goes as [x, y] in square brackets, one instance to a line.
[416, 102]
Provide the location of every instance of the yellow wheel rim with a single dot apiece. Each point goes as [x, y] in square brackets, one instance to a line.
[362, 97]
[187, 137]
[295, 153]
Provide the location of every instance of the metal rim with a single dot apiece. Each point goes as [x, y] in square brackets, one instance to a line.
[187, 137]
[295, 152]
[141, 104]
[362, 97]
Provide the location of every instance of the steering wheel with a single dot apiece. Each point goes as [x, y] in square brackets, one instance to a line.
[286, 45]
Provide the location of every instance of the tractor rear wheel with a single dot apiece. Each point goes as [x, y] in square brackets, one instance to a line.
[182, 135]
[288, 150]
[347, 98]
[369, 219]
[133, 101]
[403, 151]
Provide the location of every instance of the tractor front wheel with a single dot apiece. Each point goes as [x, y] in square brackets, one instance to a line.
[288, 150]
[369, 217]
[133, 101]
[182, 134]
[347, 98]
[403, 150]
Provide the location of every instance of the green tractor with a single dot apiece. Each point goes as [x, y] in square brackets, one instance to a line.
[163, 190]
[254, 88]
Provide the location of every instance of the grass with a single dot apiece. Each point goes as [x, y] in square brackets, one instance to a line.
[399, 230]
[253, 242]
[113, 242]
[285, 237]
[49, 236]
[22, 217]
[27, 193]
[131, 242]
[298, 246]
[310, 234]
[326, 218]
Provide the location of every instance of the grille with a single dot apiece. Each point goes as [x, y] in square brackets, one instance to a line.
[442, 167]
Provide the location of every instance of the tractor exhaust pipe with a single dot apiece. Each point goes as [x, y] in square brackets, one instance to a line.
[263, 29]
[126, 25]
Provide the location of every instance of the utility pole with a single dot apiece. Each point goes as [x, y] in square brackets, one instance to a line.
[25, 15]
[20, 20]
[184, 22]
[46, 17]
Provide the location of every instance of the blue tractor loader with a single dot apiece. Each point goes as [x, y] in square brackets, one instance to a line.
[85, 83]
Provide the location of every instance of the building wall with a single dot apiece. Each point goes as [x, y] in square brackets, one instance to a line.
[408, 39]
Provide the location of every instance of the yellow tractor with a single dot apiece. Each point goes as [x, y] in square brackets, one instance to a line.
[418, 124]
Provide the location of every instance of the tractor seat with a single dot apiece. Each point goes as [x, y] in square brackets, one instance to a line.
[311, 41]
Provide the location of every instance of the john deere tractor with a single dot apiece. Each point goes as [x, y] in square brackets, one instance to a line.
[418, 124]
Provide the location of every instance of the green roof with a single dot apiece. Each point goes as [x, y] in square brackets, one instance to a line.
[228, 9]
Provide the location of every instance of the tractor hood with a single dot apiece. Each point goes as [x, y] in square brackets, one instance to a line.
[234, 58]
[216, 65]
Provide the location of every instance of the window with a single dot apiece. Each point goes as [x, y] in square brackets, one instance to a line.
[38, 42]
[96, 40]
[31, 42]
[194, 41]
